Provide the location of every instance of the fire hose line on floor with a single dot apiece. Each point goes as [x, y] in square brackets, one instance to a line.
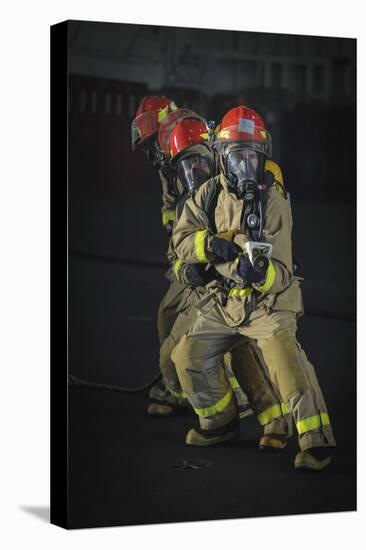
[106, 258]
[310, 312]
[75, 381]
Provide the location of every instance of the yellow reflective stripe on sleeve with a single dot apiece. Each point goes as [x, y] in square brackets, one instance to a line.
[176, 267]
[270, 278]
[312, 423]
[167, 216]
[179, 395]
[270, 414]
[325, 419]
[218, 407]
[234, 383]
[240, 292]
[285, 408]
[199, 244]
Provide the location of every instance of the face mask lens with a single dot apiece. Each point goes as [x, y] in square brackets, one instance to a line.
[242, 171]
[193, 171]
[243, 163]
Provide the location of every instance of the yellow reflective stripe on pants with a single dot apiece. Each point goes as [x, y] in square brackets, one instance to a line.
[240, 292]
[312, 423]
[179, 395]
[234, 383]
[270, 278]
[199, 244]
[176, 267]
[218, 407]
[167, 216]
[270, 414]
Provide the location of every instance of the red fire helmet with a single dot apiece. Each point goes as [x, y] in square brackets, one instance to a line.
[151, 112]
[243, 124]
[168, 125]
[186, 133]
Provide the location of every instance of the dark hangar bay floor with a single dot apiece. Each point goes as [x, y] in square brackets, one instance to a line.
[122, 469]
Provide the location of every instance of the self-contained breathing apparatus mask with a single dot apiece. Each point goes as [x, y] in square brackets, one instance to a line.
[156, 157]
[193, 170]
[244, 169]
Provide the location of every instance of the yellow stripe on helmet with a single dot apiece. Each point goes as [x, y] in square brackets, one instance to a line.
[224, 134]
[163, 113]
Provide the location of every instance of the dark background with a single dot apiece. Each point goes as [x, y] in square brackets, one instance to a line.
[304, 88]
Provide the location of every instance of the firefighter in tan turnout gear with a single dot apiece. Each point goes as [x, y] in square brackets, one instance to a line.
[150, 130]
[152, 111]
[193, 159]
[258, 300]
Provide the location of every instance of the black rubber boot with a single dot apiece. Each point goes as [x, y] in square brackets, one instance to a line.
[272, 443]
[163, 403]
[201, 438]
[314, 459]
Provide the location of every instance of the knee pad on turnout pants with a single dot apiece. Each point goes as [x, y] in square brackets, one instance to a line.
[281, 356]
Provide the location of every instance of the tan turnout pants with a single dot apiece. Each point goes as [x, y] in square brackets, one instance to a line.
[169, 308]
[243, 369]
[198, 360]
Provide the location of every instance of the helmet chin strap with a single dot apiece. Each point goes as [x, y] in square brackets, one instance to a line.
[156, 157]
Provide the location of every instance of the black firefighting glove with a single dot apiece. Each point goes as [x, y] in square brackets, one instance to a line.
[224, 249]
[197, 275]
[248, 273]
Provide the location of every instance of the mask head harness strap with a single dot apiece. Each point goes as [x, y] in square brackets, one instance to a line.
[156, 158]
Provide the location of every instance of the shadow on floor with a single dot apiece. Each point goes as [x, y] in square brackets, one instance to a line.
[40, 512]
